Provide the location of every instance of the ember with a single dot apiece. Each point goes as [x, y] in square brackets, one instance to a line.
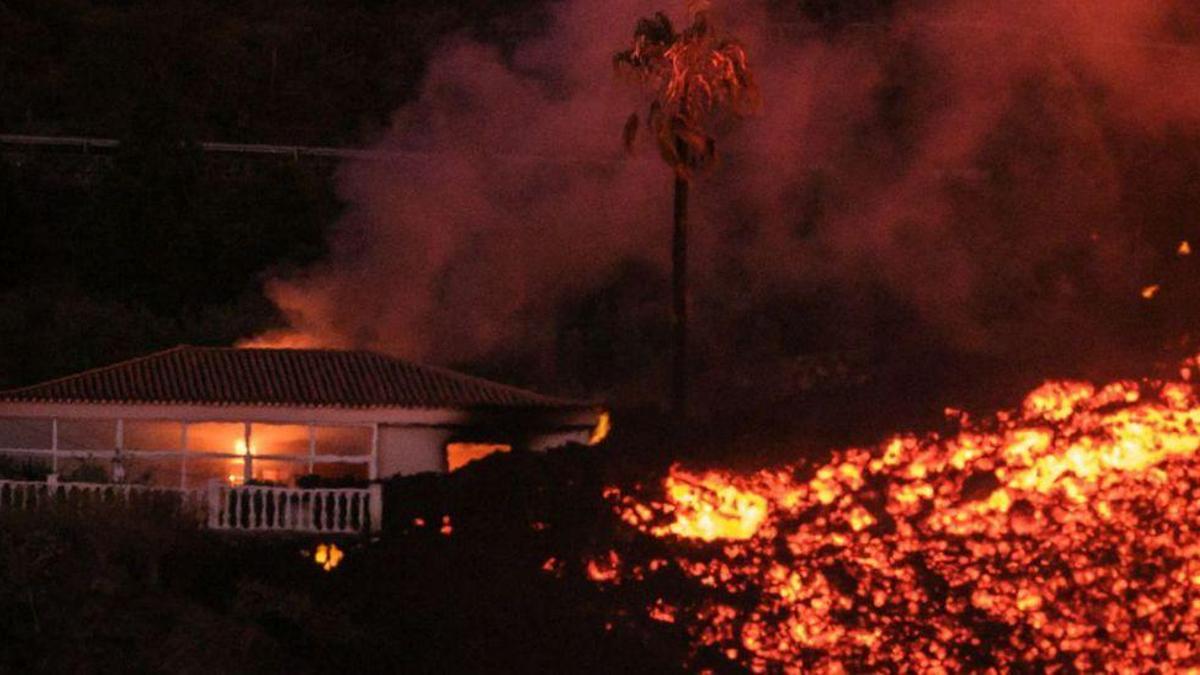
[1062, 535]
[328, 556]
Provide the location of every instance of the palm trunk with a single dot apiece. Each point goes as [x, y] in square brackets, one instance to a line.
[679, 293]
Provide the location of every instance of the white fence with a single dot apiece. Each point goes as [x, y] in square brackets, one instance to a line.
[275, 509]
[30, 495]
[222, 507]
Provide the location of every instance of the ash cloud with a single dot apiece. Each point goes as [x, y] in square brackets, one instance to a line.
[1009, 175]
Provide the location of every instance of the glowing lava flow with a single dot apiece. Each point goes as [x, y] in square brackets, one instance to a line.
[1063, 536]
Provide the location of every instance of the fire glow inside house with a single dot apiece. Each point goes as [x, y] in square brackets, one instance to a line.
[189, 415]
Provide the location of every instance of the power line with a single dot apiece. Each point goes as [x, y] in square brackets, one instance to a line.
[88, 144]
[802, 29]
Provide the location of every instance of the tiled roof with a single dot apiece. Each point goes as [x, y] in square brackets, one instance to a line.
[281, 377]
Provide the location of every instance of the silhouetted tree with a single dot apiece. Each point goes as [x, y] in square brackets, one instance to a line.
[700, 82]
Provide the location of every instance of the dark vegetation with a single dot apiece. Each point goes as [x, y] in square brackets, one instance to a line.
[115, 590]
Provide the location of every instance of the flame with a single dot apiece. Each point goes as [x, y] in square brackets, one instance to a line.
[328, 556]
[602, 429]
[1150, 291]
[282, 339]
[238, 475]
[1062, 535]
[1185, 248]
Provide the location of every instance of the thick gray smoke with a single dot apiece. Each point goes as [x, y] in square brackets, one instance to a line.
[983, 163]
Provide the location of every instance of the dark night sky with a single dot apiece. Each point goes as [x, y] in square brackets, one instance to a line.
[161, 245]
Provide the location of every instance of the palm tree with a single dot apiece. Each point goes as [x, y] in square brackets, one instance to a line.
[700, 83]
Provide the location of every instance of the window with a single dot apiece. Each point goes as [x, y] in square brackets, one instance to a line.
[459, 455]
[277, 472]
[202, 469]
[153, 435]
[288, 441]
[24, 433]
[174, 453]
[343, 441]
[152, 470]
[217, 437]
[343, 472]
[227, 437]
[94, 435]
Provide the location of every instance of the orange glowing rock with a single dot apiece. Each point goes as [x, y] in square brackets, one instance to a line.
[328, 556]
[662, 611]
[605, 570]
[1072, 525]
[708, 508]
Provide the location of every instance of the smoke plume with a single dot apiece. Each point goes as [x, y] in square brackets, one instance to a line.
[1010, 175]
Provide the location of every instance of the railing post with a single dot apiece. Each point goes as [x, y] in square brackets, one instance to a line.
[214, 503]
[318, 509]
[54, 446]
[373, 467]
[183, 444]
[248, 463]
[220, 507]
[375, 506]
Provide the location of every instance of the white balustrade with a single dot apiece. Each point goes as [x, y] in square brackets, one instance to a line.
[248, 508]
[26, 495]
[254, 508]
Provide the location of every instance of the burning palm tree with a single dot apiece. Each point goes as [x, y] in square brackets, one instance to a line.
[701, 83]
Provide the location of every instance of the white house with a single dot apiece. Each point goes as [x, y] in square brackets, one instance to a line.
[186, 416]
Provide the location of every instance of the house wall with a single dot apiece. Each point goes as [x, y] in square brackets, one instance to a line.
[409, 441]
[405, 450]
[409, 450]
[557, 439]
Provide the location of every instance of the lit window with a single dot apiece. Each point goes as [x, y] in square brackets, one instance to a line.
[459, 455]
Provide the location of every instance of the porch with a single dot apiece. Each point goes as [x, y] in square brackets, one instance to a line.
[191, 451]
[217, 506]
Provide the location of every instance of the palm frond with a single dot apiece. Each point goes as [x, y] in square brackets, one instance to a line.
[700, 80]
[655, 30]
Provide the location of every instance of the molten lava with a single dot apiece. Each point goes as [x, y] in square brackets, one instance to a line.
[1061, 536]
[328, 556]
